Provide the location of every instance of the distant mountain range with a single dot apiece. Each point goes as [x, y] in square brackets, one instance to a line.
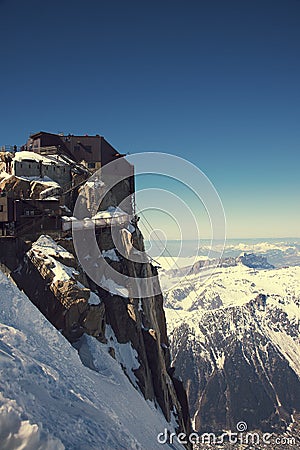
[235, 342]
[279, 252]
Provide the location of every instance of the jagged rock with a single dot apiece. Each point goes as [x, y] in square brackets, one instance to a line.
[81, 318]
[68, 292]
[65, 302]
[21, 187]
[94, 321]
[15, 186]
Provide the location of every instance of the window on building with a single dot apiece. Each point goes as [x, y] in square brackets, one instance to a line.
[1, 208]
[91, 165]
[29, 212]
[88, 148]
[76, 147]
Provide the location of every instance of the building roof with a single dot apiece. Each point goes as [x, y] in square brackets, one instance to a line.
[85, 136]
[39, 133]
[45, 159]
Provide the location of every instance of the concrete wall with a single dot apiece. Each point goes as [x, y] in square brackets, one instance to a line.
[59, 173]
[29, 168]
[26, 168]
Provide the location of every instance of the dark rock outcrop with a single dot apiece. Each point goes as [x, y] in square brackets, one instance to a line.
[255, 261]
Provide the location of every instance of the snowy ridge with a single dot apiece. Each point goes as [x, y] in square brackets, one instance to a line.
[48, 255]
[51, 400]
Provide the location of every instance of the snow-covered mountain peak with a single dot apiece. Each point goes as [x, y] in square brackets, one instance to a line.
[235, 339]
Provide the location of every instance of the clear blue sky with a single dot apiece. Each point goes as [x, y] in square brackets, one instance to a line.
[216, 82]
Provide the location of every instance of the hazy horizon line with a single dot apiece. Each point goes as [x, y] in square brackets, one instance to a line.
[227, 239]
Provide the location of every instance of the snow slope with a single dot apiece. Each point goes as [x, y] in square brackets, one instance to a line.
[50, 400]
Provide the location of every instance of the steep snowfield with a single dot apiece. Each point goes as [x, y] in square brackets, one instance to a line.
[50, 401]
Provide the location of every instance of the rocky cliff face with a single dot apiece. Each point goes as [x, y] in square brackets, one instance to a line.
[132, 329]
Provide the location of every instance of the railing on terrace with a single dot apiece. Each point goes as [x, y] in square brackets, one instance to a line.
[10, 148]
